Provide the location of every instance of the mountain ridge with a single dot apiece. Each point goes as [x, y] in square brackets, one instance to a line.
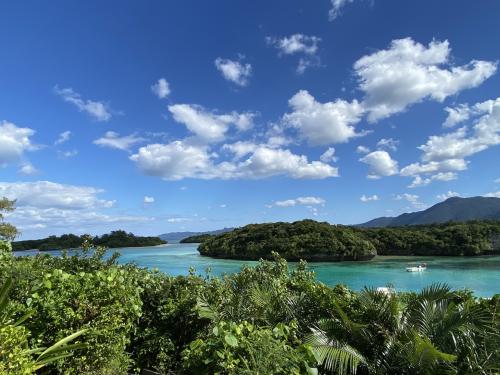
[178, 236]
[451, 209]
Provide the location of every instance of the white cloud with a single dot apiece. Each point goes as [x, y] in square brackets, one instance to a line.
[323, 123]
[328, 156]
[362, 150]
[14, 141]
[381, 164]
[369, 198]
[63, 137]
[178, 219]
[98, 110]
[149, 199]
[178, 160]
[28, 169]
[444, 155]
[456, 115]
[448, 194]
[223, 205]
[173, 161]
[208, 126]
[441, 176]
[33, 219]
[409, 72]
[303, 201]
[46, 194]
[336, 8]
[234, 71]
[495, 194]
[298, 44]
[113, 140]
[388, 143]
[161, 88]
[411, 198]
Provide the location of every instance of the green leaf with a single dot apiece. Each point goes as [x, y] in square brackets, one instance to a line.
[231, 340]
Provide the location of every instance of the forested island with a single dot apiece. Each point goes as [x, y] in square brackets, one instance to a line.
[115, 239]
[198, 238]
[307, 239]
[315, 241]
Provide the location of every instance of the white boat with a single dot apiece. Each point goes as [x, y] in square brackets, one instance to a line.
[419, 268]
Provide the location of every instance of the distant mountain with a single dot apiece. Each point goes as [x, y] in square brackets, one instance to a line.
[178, 236]
[452, 209]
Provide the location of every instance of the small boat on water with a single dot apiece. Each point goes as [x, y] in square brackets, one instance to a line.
[419, 268]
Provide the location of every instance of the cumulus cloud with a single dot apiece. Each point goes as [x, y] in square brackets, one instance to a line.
[28, 169]
[98, 110]
[388, 143]
[381, 164]
[362, 150]
[178, 160]
[300, 44]
[369, 198]
[46, 194]
[161, 88]
[303, 201]
[444, 155]
[209, 126]
[336, 9]
[63, 137]
[328, 156]
[448, 194]
[148, 200]
[234, 71]
[113, 140]
[14, 141]
[323, 123]
[409, 72]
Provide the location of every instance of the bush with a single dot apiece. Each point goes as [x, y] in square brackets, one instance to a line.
[243, 348]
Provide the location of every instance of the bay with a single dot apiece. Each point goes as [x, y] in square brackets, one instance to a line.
[480, 274]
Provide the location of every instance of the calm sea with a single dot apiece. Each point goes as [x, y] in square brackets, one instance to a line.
[480, 274]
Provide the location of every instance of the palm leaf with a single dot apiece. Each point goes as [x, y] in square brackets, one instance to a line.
[337, 357]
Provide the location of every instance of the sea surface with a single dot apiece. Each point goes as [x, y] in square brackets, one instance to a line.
[480, 274]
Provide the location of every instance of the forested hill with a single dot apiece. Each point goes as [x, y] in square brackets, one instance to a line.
[114, 239]
[306, 239]
[179, 236]
[314, 241]
[453, 209]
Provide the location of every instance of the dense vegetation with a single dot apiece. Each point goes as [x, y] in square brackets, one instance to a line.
[306, 239]
[311, 240]
[113, 319]
[470, 238]
[118, 238]
[198, 238]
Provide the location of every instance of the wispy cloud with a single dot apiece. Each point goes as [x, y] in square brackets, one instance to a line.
[100, 111]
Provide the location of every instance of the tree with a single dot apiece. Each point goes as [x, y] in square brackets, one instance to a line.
[7, 231]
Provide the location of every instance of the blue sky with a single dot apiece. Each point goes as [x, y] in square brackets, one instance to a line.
[161, 116]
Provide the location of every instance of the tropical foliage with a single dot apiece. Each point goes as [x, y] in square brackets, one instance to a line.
[108, 318]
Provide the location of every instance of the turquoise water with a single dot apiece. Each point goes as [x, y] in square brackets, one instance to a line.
[480, 274]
